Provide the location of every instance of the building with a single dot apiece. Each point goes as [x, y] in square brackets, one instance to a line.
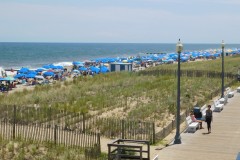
[116, 67]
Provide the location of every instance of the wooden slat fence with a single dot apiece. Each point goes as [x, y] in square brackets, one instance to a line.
[16, 123]
[125, 129]
[188, 73]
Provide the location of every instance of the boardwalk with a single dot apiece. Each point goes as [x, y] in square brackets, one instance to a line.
[222, 144]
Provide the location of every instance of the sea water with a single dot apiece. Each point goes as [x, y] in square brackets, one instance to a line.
[34, 55]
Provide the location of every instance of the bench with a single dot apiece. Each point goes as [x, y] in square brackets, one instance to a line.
[218, 107]
[238, 89]
[191, 126]
[203, 111]
[224, 100]
[230, 93]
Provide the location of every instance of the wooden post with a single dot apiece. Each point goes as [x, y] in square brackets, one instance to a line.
[84, 123]
[14, 121]
[122, 129]
[154, 138]
[99, 141]
[55, 134]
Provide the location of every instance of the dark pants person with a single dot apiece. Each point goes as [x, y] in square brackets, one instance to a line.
[209, 120]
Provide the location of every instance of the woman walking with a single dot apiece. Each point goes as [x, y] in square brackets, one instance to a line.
[209, 118]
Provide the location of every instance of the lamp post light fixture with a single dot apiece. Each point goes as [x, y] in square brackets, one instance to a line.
[223, 44]
[179, 48]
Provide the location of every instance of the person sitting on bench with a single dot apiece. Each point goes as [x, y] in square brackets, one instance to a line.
[195, 120]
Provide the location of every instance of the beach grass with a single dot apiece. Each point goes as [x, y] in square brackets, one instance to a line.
[127, 94]
[21, 149]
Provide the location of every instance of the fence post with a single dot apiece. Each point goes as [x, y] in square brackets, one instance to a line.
[99, 141]
[122, 129]
[14, 120]
[154, 138]
[55, 134]
[50, 115]
[84, 123]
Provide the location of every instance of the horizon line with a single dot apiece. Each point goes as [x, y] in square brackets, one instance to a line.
[118, 42]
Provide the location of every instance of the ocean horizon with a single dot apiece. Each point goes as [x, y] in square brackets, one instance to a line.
[35, 54]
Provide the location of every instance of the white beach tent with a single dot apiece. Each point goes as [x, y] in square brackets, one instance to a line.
[2, 72]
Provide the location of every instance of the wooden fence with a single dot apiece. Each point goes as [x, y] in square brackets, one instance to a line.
[14, 125]
[56, 125]
[188, 73]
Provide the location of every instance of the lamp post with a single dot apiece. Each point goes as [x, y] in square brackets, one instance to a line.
[222, 69]
[179, 48]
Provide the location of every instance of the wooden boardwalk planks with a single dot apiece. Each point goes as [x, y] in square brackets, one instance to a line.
[222, 144]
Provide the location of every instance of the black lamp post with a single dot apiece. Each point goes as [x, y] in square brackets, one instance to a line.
[179, 48]
[222, 69]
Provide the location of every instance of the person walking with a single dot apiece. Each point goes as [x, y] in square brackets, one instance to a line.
[209, 118]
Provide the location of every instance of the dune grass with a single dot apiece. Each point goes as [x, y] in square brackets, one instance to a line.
[135, 96]
[19, 150]
[231, 65]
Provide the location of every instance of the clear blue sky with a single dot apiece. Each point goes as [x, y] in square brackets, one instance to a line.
[134, 21]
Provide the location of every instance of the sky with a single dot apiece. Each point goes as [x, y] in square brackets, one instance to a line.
[120, 21]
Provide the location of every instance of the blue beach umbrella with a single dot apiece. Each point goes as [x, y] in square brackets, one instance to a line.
[95, 69]
[32, 72]
[48, 74]
[46, 66]
[30, 75]
[20, 75]
[83, 69]
[24, 70]
[104, 69]
[78, 63]
[1, 79]
[40, 69]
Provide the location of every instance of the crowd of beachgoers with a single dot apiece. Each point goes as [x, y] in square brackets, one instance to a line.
[47, 74]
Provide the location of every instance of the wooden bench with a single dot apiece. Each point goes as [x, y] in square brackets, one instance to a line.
[191, 126]
[218, 107]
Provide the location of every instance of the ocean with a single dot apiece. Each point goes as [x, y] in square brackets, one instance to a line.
[34, 55]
